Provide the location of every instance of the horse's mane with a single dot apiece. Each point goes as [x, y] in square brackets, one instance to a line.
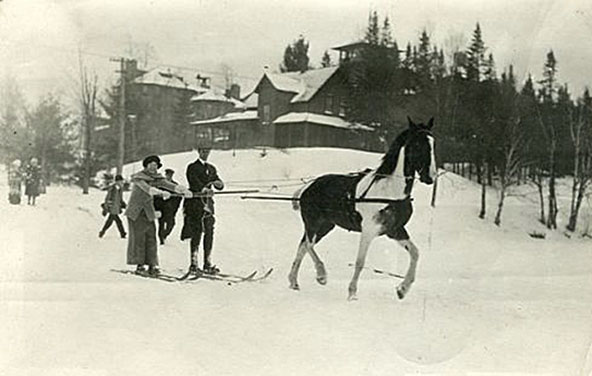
[389, 160]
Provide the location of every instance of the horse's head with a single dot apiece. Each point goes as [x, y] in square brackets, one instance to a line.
[419, 152]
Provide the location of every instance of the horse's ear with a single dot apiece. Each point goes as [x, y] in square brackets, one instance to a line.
[431, 123]
[411, 123]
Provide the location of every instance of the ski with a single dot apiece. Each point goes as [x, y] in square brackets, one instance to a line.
[191, 276]
[161, 276]
[233, 278]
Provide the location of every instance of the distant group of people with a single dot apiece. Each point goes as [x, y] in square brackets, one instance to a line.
[154, 196]
[30, 175]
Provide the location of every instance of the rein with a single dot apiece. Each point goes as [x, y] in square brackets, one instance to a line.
[362, 200]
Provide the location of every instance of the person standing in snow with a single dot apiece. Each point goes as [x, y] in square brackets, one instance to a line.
[148, 183]
[198, 212]
[32, 181]
[113, 206]
[168, 209]
[15, 180]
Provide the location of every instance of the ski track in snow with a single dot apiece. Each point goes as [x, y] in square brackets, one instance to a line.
[486, 299]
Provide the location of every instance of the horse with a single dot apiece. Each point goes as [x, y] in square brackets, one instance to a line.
[373, 202]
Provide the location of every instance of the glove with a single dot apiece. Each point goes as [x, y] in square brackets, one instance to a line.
[157, 214]
[207, 192]
[155, 192]
[180, 188]
[218, 184]
[166, 195]
[187, 193]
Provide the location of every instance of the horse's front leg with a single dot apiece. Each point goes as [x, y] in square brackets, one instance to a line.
[365, 240]
[404, 286]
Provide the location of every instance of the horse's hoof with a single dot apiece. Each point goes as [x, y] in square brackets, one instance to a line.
[295, 286]
[400, 294]
[322, 280]
[352, 298]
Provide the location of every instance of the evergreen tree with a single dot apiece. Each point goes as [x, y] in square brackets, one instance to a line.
[373, 35]
[475, 56]
[296, 56]
[52, 137]
[423, 61]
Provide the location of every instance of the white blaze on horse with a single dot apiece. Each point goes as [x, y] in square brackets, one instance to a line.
[374, 202]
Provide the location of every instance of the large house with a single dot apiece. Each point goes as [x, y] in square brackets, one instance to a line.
[160, 104]
[295, 109]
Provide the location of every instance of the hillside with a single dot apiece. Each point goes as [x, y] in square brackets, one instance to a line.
[486, 299]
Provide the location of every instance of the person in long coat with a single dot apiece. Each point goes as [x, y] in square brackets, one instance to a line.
[15, 181]
[198, 212]
[113, 206]
[141, 215]
[32, 180]
[168, 209]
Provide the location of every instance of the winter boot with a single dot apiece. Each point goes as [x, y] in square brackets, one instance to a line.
[140, 269]
[210, 269]
[154, 271]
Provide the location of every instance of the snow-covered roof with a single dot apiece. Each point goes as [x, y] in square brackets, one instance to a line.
[332, 121]
[231, 116]
[304, 84]
[215, 95]
[251, 100]
[162, 77]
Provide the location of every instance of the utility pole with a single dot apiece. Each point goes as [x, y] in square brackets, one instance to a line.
[122, 115]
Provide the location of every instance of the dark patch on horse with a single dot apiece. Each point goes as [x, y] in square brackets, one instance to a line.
[394, 218]
[330, 201]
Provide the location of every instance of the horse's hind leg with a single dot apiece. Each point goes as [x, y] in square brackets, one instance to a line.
[293, 276]
[319, 266]
[405, 286]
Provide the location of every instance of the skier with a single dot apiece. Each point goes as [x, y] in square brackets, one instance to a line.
[32, 180]
[168, 209]
[199, 211]
[113, 205]
[142, 247]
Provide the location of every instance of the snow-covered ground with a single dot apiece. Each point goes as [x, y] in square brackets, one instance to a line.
[486, 299]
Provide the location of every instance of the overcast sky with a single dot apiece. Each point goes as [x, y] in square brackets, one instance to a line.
[39, 38]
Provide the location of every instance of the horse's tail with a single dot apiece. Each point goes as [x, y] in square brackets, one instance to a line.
[296, 197]
[298, 193]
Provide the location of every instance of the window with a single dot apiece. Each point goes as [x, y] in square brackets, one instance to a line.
[329, 104]
[266, 114]
[342, 107]
[221, 135]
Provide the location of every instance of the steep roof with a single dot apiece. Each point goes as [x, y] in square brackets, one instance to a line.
[304, 84]
[215, 95]
[162, 77]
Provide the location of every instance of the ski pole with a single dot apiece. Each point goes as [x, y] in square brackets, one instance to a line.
[378, 271]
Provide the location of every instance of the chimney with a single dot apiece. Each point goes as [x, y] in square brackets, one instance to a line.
[234, 91]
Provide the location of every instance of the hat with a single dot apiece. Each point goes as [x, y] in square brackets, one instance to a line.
[169, 171]
[204, 144]
[151, 158]
[118, 177]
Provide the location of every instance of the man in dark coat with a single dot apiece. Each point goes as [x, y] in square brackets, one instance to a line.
[168, 210]
[199, 211]
[113, 206]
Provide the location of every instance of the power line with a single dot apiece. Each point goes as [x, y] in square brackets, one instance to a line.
[109, 56]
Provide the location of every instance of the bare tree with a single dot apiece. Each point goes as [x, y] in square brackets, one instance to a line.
[88, 90]
[580, 132]
[511, 165]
